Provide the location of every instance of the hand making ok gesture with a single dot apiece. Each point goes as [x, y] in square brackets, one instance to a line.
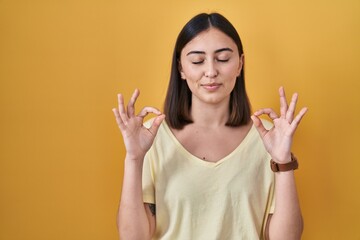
[278, 139]
[137, 138]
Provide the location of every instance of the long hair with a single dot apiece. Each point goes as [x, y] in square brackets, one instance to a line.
[178, 98]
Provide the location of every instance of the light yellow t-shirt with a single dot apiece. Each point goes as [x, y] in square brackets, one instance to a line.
[195, 199]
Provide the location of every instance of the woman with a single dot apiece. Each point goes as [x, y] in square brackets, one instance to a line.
[204, 172]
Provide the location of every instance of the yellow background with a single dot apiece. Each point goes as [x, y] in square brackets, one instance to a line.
[62, 63]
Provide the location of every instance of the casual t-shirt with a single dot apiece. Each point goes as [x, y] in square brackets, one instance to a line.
[195, 199]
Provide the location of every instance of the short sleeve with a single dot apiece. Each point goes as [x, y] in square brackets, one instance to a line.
[270, 208]
[148, 186]
[148, 180]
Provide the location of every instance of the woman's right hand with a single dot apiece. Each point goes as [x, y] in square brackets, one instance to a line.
[137, 138]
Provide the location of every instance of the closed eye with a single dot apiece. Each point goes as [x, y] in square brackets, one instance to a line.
[222, 60]
[197, 62]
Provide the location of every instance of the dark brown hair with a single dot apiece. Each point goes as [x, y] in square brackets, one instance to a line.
[178, 98]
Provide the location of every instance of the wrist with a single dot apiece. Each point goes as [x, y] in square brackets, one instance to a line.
[134, 159]
[284, 166]
[282, 158]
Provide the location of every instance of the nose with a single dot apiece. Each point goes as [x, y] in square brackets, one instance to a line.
[211, 70]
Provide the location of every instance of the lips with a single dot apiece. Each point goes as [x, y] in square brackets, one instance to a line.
[211, 86]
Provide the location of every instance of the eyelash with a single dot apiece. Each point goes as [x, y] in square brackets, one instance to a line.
[222, 61]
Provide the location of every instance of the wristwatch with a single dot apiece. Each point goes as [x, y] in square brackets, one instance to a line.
[283, 167]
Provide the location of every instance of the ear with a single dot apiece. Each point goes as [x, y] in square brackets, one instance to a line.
[241, 64]
[180, 69]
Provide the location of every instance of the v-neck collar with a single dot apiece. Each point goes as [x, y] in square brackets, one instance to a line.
[198, 160]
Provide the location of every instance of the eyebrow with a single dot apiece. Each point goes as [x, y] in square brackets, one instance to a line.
[217, 51]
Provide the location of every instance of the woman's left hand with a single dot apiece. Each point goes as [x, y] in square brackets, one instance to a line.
[278, 139]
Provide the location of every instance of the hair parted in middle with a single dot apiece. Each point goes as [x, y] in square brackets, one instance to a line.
[178, 98]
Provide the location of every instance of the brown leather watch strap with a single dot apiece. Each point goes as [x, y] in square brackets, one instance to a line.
[278, 167]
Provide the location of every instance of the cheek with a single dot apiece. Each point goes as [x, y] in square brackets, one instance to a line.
[192, 73]
[233, 70]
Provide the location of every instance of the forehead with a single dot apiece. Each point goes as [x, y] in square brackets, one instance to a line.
[209, 41]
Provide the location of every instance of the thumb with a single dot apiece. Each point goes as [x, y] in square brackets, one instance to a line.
[156, 124]
[259, 126]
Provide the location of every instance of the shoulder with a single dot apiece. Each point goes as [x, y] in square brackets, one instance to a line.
[162, 128]
[257, 144]
[267, 124]
[148, 123]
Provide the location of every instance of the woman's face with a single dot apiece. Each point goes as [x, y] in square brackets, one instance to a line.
[210, 64]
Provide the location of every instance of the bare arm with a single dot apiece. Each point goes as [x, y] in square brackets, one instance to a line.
[135, 220]
[286, 222]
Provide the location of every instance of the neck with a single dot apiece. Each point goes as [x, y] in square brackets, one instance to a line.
[210, 115]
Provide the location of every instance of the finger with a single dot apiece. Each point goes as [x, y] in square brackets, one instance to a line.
[122, 113]
[268, 111]
[283, 102]
[298, 118]
[290, 113]
[259, 126]
[146, 110]
[118, 118]
[131, 104]
[156, 124]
